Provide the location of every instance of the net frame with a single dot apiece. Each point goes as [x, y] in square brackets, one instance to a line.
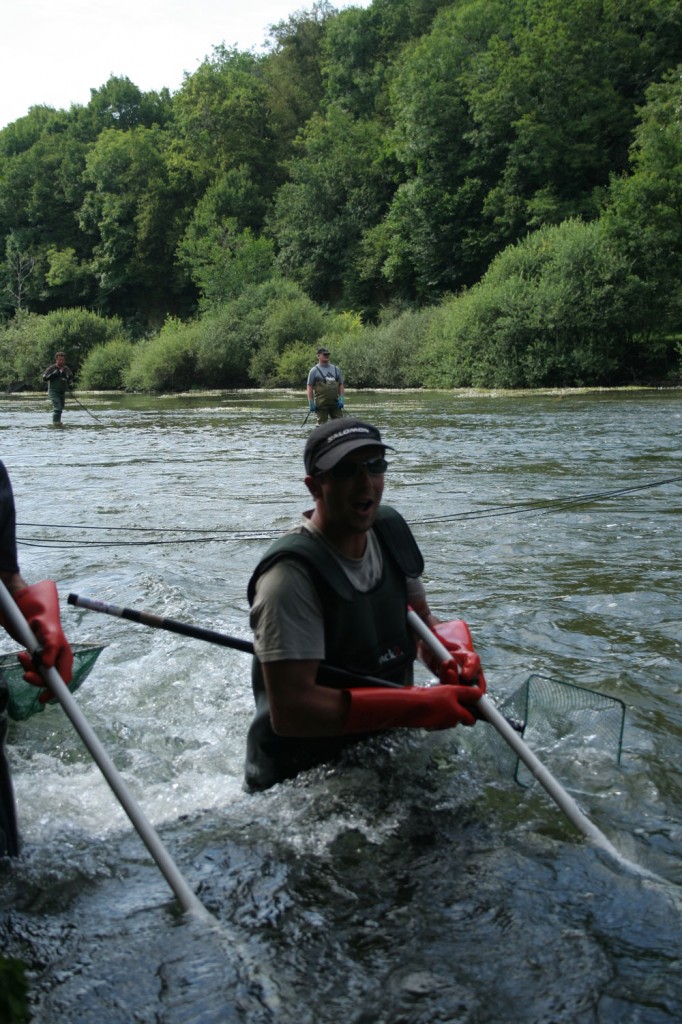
[550, 713]
[24, 699]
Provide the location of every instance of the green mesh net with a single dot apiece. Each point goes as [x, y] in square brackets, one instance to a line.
[24, 698]
[551, 715]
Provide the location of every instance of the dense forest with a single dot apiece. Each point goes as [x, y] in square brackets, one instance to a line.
[476, 193]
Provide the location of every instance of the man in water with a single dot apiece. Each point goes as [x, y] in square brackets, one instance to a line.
[337, 589]
[59, 379]
[325, 388]
[39, 604]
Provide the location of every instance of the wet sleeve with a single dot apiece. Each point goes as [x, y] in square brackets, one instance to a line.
[8, 540]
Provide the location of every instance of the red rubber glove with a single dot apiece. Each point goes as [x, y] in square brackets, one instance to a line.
[39, 604]
[456, 638]
[418, 707]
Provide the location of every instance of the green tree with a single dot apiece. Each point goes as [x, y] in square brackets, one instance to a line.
[360, 45]
[293, 73]
[644, 210]
[219, 249]
[433, 238]
[42, 187]
[509, 116]
[222, 122]
[132, 210]
[339, 187]
[553, 102]
[41, 163]
[120, 104]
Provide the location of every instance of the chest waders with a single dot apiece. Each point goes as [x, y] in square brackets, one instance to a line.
[326, 393]
[56, 391]
[364, 633]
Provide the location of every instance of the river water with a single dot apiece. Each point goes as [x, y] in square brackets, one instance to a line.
[416, 883]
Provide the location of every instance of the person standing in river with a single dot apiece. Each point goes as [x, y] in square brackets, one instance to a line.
[337, 589]
[59, 379]
[325, 388]
[39, 604]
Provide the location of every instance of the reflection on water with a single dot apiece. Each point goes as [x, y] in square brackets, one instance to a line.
[414, 883]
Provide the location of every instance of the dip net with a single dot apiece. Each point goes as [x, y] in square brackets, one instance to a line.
[558, 717]
[24, 699]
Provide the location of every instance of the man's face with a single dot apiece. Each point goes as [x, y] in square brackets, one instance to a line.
[323, 358]
[60, 360]
[348, 504]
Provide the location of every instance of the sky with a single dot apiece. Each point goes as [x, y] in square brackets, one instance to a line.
[54, 52]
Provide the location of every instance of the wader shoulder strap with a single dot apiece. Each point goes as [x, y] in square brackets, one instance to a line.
[394, 536]
[397, 537]
[322, 376]
[302, 545]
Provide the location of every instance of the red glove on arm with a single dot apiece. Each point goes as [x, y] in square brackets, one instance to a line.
[456, 638]
[418, 707]
[39, 604]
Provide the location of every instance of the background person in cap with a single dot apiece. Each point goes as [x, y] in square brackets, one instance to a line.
[325, 388]
[336, 589]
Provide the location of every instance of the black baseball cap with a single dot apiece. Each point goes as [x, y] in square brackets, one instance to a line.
[333, 440]
[323, 351]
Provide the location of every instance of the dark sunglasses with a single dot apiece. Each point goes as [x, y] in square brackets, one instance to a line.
[347, 470]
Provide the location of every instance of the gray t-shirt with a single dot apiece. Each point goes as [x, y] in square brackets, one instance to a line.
[324, 374]
[286, 615]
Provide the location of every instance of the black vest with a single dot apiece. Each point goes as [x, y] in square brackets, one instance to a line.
[364, 633]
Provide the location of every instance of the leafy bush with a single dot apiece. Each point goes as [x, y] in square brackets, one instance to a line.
[443, 360]
[28, 343]
[223, 349]
[382, 356]
[293, 366]
[230, 336]
[166, 362]
[343, 335]
[551, 311]
[294, 320]
[105, 366]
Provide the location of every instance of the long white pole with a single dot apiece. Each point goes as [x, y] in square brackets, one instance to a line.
[490, 713]
[189, 902]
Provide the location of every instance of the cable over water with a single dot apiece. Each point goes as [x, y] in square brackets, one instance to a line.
[189, 535]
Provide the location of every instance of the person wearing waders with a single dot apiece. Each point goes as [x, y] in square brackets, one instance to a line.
[39, 604]
[59, 379]
[336, 589]
[325, 388]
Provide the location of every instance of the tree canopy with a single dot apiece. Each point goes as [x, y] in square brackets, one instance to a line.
[380, 159]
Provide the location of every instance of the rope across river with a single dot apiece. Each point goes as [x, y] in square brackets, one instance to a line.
[187, 535]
